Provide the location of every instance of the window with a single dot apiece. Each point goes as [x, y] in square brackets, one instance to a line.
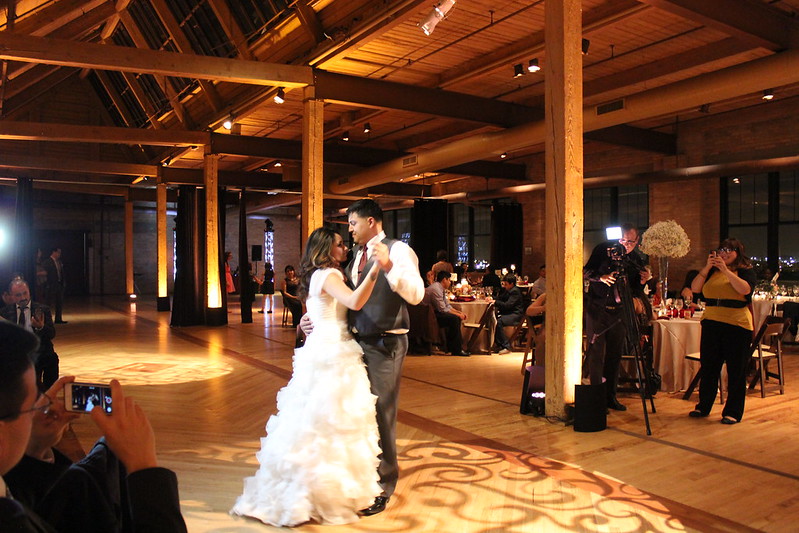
[471, 234]
[397, 224]
[613, 206]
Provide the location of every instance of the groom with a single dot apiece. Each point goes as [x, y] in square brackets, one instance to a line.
[381, 326]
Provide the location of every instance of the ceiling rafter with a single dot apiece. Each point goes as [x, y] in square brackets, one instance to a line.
[752, 22]
[41, 131]
[310, 21]
[231, 28]
[182, 44]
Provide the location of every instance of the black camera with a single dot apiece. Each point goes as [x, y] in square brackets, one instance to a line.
[616, 251]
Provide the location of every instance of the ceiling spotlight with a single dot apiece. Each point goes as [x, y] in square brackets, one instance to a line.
[518, 70]
[438, 14]
[167, 161]
[533, 65]
[503, 155]
[367, 128]
[586, 44]
[228, 123]
[278, 163]
[280, 96]
[768, 94]
[737, 181]
[345, 136]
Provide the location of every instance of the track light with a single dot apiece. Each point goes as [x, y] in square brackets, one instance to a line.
[518, 70]
[167, 161]
[367, 128]
[278, 164]
[768, 94]
[503, 155]
[345, 136]
[586, 44]
[228, 123]
[533, 65]
[280, 96]
[438, 14]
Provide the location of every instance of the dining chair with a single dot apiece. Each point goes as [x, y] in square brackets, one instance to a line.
[478, 327]
[530, 346]
[769, 347]
[285, 322]
[423, 331]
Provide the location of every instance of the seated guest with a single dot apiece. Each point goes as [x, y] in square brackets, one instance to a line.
[442, 265]
[97, 495]
[447, 316]
[35, 318]
[429, 278]
[289, 291]
[510, 310]
[540, 285]
[491, 280]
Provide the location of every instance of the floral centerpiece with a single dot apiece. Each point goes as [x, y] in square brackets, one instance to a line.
[665, 239]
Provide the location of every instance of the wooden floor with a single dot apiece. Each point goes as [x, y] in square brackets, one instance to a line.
[470, 462]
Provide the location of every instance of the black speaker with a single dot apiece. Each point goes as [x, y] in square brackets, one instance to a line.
[257, 252]
[533, 396]
[590, 408]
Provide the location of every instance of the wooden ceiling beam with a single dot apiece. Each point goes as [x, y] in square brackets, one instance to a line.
[41, 131]
[113, 21]
[384, 94]
[183, 45]
[65, 164]
[638, 138]
[27, 98]
[231, 28]
[310, 21]
[143, 99]
[126, 59]
[54, 15]
[259, 180]
[752, 22]
[116, 98]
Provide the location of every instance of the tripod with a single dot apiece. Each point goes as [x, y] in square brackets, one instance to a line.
[633, 341]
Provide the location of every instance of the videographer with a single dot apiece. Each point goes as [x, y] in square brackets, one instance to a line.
[604, 326]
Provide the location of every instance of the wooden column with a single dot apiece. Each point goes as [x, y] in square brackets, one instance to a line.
[312, 168]
[564, 202]
[212, 279]
[163, 246]
[129, 246]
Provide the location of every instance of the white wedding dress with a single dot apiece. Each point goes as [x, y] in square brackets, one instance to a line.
[319, 457]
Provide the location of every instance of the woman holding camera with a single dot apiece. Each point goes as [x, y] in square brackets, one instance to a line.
[727, 281]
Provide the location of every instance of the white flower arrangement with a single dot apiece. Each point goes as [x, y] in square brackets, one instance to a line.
[665, 239]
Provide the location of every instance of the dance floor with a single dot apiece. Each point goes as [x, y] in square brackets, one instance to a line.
[470, 462]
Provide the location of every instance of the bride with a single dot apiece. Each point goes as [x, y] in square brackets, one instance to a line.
[320, 456]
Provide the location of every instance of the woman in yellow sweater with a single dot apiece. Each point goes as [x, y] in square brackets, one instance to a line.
[727, 281]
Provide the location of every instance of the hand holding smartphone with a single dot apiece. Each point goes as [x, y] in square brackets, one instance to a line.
[83, 397]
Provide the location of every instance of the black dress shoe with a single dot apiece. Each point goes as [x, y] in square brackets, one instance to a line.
[61, 322]
[615, 405]
[378, 507]
[696, 413]
[462, 353]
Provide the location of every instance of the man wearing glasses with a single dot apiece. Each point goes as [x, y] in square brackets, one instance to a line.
[603, 310]
[39, 493]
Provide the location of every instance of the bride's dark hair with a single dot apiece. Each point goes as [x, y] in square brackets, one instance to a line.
[316, 256]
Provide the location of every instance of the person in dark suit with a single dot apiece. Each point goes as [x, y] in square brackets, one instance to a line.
[118, 487]
[510, 310]
[54, 287]
[36, 318]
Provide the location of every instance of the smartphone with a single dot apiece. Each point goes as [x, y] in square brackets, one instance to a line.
[83, 397]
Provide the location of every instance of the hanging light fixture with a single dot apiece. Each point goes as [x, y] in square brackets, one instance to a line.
[438, 14]
[503, 155]
[367, 128]
[345, 136]
[228, 123]
[518, 70]
[278, 164]
[533, 66]
[280, 96]
[768, 94]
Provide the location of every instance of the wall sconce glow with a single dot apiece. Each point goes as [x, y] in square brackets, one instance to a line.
[439, 13]
[280, 96]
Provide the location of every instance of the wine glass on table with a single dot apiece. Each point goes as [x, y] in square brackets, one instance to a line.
[679, 304]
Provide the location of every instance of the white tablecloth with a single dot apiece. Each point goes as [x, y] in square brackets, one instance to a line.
[672, 340]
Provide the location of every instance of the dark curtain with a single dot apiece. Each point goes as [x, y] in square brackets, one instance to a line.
[24, 242]
[506, 235]
[188, 302]
[246, 290]
[428, 230]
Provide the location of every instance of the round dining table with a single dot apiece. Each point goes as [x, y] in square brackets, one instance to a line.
[474, 312]
[672, 340]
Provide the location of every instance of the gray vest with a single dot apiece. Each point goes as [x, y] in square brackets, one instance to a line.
[385, 310]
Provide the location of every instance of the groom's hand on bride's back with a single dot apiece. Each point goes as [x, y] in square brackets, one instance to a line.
[306, 325]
